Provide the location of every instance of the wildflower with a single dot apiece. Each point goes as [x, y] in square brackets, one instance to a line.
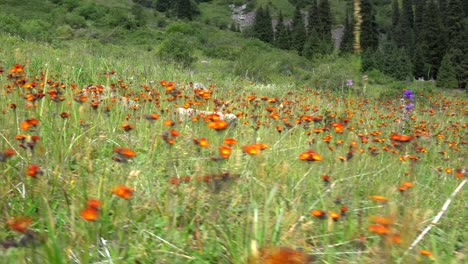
[408, 94]
[201, 142]
[349, 83]
[319, 214]
[218, 125]
[34, 170]
[127, 127]
[426, 253]
[281, 255]
[310, 155]
[123, 154]
[6, 154]
[91, 212]
[20, 223]
[123, 192]
[225, 151]
[230, 141]
[334, 216]
[378, 229]
[378, 198]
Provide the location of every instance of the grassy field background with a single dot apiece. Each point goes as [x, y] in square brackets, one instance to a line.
[92, 171]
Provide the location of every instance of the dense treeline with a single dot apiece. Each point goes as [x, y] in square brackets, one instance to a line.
[427, 39]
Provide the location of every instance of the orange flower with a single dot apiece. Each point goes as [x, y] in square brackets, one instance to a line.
[426, 253]
[94, 203]
[251, 149]
[401, 138]
[169, 122]
[339, 127]
[230, 141]
[123, 191]
[218, 125]
[32, 122]
[90, 214]
[318, 213]
[20, 223]
[201, 142]
[151, 117]
[225, 151]
[326, 178]
[382, 220]
[125, 152]
[17, 68]
[34, 170]
[65, 115]
[379, 229]
[127, 127]
[281, 255]
[378, 198]
[334, 216]
[6, 154]
[310, 155]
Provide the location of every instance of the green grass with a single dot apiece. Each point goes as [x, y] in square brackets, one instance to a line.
[266, 199]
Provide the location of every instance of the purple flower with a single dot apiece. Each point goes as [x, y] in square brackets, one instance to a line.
[408, 94]
[349, 82]
[409, 106]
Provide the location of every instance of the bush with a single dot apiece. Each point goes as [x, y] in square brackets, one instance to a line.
[178, 48]
[75, 21]
[9, 23]
[36, 29]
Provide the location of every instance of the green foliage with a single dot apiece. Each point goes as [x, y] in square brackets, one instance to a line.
[262, 27]
[282, 34]
[177, 48]
[9, 23]
[347, 43]
[369, 33]
[298, 32]
[447, 75]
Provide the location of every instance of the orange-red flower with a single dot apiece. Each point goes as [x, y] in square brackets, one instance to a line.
[125, 152]
[310, 155]
[32, 122]
[91, 212]
[281, 255]
[230, 141]
[379, 229]
[4, 155]
[225, 151]
[254, 149]
[20, 223]
[218, 125]
[127, 127]
[318, 213]
[334, 216]
[426, 253]
[378, 198]
[400, 138]
[123, 191]
[34, 170]
[202, 142]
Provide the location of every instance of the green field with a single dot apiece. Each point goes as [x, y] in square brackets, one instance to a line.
[93, 171]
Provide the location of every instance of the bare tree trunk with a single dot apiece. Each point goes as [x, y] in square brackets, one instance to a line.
[357, 26]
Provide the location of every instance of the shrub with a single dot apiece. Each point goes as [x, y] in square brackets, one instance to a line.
[178, 48]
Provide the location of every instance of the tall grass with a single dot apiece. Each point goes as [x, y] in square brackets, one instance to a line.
[191, 206]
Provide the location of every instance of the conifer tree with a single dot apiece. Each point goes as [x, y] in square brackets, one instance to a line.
[184, 9]
[164, 5]
[313, 19]
[346, 45]
[262, 27]
[282, 35]
[298, 31]
[369, 33]
[447, 76]
[432, 39]
[324, 14]
[395, 19]
[454, 21]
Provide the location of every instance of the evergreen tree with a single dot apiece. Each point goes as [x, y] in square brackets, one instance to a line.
[432, 40]
[282, 34]
[347, 42]
[184, 9]
[313, 19]
[404, 36]
[324, 15]
[164, 5]
[369, 33]
[447, 76]
[262, 27]
[454, 21]
[393, 61]
[395, 19]
[298, 31]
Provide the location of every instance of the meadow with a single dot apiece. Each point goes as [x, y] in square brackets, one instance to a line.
[97, 167]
